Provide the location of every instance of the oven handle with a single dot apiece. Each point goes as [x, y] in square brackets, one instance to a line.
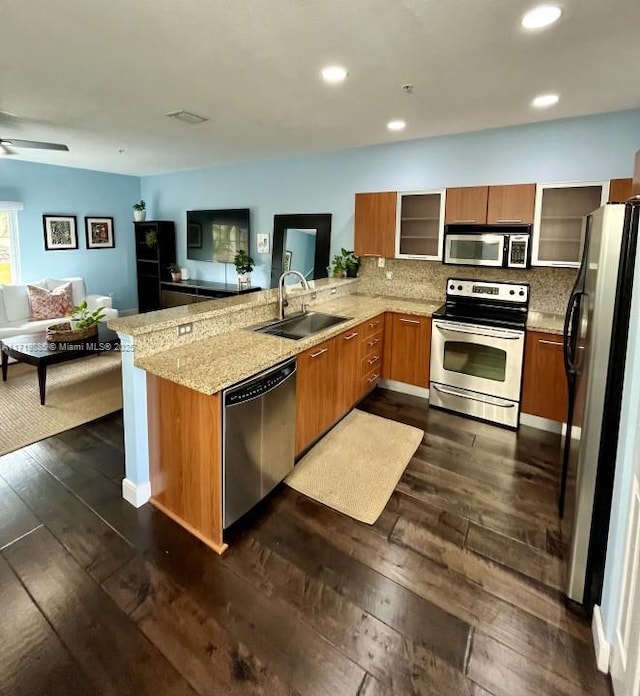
[509, 336]
[465, 395]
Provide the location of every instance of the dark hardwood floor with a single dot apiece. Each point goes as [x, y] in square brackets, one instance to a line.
[456, 590]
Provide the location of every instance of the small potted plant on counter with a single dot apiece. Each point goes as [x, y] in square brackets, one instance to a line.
[139, 211]
[338, 266]
[176, 274]
[351, 262]
[244, 265]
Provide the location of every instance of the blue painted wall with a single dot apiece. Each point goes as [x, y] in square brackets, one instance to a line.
[589, 148]
[48, 189]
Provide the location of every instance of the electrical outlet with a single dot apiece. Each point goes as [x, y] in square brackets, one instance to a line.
[381, 261]
[389, 275]
[314, 294]
[184, 329]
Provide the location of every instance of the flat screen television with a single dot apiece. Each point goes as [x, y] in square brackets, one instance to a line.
[217, 235]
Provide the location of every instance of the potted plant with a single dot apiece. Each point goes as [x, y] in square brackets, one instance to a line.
[81, 319]
[139, 211]
[244, 265]
[351, 262]
[176, 274]
[151, 239]
[338, 266]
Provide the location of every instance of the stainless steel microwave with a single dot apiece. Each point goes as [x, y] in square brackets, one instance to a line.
[488, 245]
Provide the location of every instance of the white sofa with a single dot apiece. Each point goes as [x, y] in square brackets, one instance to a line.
[15, 311]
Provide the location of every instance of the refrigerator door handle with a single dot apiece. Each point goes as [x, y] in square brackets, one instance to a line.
[569, 339]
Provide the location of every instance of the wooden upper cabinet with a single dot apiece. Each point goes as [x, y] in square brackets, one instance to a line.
[544, 383]
[635, 184]
[511, 204]
[375, 224]
[620, 190]
[466, 205]
[409, 349]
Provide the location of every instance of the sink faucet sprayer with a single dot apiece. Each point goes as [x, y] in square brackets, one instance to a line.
[282, 293]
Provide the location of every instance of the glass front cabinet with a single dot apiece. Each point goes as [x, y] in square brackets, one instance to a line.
[558, 226]
[420, 225]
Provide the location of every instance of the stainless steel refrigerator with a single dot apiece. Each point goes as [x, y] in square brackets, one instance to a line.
[595, 343]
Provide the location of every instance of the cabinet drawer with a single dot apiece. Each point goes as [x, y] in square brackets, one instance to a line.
[373, 326]
[373, 344]
[370, 380]
[371, 362]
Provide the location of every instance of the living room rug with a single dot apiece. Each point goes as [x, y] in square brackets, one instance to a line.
[355, 468]
[77, 392]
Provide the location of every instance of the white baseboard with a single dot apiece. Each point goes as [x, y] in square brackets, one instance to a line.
[403, 388]
[550, 426]
[600, 643]
[136, 495]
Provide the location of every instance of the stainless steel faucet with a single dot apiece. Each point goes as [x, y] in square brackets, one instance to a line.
[282, 293]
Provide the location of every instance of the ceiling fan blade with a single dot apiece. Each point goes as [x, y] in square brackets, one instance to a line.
[34, 144]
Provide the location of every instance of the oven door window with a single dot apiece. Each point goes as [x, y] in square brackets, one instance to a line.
[475, 360]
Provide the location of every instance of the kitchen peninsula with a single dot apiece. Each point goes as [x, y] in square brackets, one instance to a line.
[172, 384]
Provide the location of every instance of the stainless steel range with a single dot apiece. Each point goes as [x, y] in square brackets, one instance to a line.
[477, 349]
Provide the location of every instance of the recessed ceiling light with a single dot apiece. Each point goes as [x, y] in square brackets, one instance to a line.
[334, 73]
[545, 100]
[396, 125]
[541, 16]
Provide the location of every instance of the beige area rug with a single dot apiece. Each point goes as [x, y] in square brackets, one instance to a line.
[77, 392]
[355, 468]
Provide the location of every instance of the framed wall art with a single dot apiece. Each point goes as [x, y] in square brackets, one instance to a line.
[60, 232]
[99, 231]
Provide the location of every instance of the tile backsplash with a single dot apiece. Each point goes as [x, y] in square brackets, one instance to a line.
[550, 287]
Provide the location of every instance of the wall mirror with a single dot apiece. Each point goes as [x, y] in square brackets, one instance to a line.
[300, 243]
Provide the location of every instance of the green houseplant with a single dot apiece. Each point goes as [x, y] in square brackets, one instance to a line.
[352, 263]
[244, 265]
[139, 211]
[176, 273]
[81, 318]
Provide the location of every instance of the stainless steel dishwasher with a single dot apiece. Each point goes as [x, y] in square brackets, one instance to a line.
[258, 431]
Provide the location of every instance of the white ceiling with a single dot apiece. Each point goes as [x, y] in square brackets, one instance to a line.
[99, 75]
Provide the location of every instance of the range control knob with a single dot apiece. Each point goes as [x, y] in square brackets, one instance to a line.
[452, 287]
[512, 292]
[459, 287]
[521, 293]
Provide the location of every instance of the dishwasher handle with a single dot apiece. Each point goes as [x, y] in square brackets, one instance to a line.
[259, 385]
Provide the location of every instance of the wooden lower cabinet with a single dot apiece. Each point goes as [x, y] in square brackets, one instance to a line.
[544, 385]
[315, 392]
[348, 358]
[185, 457]
[407, 349]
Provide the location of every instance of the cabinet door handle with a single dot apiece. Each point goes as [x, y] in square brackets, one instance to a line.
[373, 342]
[514, 220]
[373, 378]
[319, 353]
[465, 221]
[350, 336]
[409, 321]
[550, 343]
[373, 360]
[373, 323]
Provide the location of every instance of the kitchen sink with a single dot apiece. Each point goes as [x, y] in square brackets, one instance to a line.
[303, 325]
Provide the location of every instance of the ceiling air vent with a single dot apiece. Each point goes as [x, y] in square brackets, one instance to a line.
[187, 117]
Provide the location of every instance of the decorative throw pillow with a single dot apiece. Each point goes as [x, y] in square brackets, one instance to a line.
[50, 304]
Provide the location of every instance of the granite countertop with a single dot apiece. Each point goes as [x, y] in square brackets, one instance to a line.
[212, 364]
[545, 323]
[215, 363]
